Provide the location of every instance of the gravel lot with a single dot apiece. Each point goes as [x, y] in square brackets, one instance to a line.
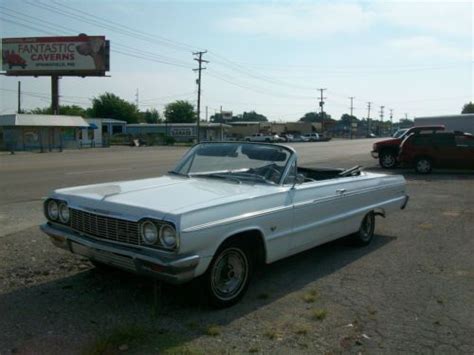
[410, 291]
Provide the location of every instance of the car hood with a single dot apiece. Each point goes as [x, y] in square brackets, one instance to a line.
[390, 141]
[158, 197]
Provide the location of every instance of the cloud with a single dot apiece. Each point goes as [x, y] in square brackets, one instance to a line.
[300, 20]
[447, 18]
[427, 46]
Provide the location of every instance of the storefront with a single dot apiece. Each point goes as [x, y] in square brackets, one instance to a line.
[40, 132]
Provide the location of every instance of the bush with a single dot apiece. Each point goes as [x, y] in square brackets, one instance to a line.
[170, 140]
[120, 139]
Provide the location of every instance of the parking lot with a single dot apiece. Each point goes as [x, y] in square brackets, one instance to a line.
[410, 291]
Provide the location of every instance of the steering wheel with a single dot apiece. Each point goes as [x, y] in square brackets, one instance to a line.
[272, 174]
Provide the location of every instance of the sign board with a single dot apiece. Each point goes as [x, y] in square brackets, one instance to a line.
[227, 115]
[74, 55]
[181, 132]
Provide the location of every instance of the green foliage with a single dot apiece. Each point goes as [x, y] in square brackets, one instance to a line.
[348, 119]
[468, 108]
[180, 111]
[66, 110]
[150, 116]
[316, 117]
[252, 116]
[109, 105]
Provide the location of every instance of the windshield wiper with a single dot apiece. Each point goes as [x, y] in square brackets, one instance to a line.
[218, 176]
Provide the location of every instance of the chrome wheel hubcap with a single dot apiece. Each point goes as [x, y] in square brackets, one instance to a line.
[229, 274]
[423, 166]
[388, 160]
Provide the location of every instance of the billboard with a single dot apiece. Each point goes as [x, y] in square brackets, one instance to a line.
[74, 55]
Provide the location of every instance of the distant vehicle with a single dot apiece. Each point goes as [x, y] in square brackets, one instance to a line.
[261, 137]
[386, 151]
[300, 138]
[371, 135]
[315, 137]
[287, 137]
[437, 150]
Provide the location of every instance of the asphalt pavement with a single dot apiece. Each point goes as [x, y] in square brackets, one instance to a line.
[410, 291]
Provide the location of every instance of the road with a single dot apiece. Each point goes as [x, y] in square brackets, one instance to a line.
[25, 178]
[410, 291]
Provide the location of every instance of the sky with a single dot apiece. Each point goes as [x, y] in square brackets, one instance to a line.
[415, 58]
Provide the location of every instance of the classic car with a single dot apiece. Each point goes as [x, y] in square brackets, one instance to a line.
[224, 210]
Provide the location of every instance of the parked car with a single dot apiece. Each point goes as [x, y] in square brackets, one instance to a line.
[437, 150]
[261, 137]
[287, 137]
[386, 151]
[312, 137]
[225, 209]
[300, 138]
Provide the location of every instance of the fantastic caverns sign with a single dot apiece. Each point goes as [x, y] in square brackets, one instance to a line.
[55, 55]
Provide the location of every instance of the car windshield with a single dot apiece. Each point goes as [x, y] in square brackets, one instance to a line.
[400, 133]
[238, 162]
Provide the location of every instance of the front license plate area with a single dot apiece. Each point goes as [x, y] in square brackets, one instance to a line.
[104, 257]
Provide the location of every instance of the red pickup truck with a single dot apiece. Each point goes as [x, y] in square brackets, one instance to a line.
[387, 151]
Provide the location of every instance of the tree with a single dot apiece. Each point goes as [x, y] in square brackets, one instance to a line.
[348, 119]
[150, 116]
[253, 116]
[109, 105]
[316, 117]
[468, 108]
[180, 112]
[67, 110]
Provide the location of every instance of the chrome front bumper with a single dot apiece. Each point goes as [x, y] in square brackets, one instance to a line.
[374, 154]
[167, 267]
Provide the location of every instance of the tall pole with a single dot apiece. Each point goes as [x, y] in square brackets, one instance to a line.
[199, 70]
[19, 97]
[207, 113]
[381, 116]
[352, 111]
[368, 117]
[391, 120]
[321, 106]
[137, 99]
[55, 94]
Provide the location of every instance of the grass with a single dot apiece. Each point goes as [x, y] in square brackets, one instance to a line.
[302, 331]
[311, 296]
[213, 330]
[140, 340]
[271, 334]
[253, 349]
[318, 314]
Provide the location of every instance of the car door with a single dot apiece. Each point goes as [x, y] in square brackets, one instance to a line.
[321, 210]
[444, 150]
[464, 151]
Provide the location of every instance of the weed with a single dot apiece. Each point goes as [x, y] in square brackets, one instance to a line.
[319, 314]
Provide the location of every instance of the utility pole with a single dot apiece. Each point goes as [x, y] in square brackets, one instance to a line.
[321, 106]
[137, 101]
[199, 70]
[381, 116]
[19, 97]
[368, 117]
[391, 120]
[55, 94]
[352, 111]
[206, 113]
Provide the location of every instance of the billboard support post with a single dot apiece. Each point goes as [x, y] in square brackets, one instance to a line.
[55, 94]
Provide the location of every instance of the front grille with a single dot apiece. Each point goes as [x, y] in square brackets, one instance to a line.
[108, 228]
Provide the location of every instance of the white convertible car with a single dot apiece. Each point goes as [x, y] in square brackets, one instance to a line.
[224, 209]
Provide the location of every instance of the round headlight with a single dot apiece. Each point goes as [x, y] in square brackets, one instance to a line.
[168, 237]
[63, 212]
[149, 232]
[53, 210]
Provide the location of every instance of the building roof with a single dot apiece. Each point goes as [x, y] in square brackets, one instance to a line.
[15, 120]
[106, 120]
[202, 124]
[464, 115]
